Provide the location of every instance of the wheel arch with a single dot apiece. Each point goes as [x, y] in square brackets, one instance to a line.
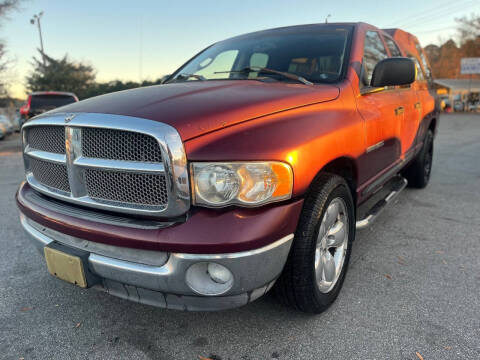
[345, 167]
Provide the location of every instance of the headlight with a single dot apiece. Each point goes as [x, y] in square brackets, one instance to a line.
[241, 183]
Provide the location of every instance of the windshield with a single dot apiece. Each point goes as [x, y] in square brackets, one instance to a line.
[317, 54]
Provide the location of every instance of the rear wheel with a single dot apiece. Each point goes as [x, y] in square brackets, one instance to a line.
[418, 172]
[318, 259]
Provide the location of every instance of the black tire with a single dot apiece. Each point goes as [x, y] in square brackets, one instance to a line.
[418, 172]
[297, 285]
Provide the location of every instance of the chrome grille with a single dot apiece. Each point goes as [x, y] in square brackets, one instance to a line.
[126, 187]
[120, 145]
[47, 138]
[110, 162]
[51, 174]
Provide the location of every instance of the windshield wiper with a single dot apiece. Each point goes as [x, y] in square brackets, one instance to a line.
[271, 71]
[185, 76]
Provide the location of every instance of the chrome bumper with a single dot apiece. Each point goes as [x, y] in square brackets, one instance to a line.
[158, 278]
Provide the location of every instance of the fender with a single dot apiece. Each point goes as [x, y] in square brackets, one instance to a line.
[307, 138]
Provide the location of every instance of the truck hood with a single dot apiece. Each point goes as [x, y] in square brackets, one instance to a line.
[198, 107]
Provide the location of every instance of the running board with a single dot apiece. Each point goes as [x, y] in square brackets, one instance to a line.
[399, 184]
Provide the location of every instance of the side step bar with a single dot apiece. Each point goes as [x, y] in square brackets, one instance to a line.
[399, 184]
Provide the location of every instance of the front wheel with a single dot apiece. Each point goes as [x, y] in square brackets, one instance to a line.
[318, 259]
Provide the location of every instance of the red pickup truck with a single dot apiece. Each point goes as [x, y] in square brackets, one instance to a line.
[251, 167]
[39, 102]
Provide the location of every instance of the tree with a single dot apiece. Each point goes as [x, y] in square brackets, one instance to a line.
[61, 75]
[76, 77]
[5, 7]
[118, 85]
[445, 59]
[468, 28]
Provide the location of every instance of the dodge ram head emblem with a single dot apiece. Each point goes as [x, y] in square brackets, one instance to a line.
[69, 118]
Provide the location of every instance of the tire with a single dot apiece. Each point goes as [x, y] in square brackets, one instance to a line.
[304, 283]
[418, 172]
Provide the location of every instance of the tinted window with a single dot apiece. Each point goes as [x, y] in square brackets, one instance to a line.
[373, 52]
[317, 54]
[50, 101]
[259, 60]
[394, 50]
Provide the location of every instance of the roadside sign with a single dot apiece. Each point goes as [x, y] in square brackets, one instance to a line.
[470, 65]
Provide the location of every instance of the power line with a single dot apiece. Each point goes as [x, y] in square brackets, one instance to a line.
[415, 14]
[434, 14]
[435, 17]
[435, 30]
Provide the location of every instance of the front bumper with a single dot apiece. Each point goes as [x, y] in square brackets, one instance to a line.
[158, 278]
[206, 231]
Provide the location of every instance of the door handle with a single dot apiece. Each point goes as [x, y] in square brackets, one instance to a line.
[399, 110]
[418, 105]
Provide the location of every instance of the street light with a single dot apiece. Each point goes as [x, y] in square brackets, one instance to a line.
[36, 19]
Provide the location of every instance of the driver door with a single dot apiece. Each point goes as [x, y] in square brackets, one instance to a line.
[381, 110]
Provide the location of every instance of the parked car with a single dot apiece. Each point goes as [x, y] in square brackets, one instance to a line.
[459, 106]
[473, 107]
[17, 121]
[251, 167]
[7, 124]
[42, 101]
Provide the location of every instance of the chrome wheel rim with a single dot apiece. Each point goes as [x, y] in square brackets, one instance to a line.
[331, 247]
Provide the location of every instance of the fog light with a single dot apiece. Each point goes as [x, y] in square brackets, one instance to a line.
[220, 274]
[209, 279]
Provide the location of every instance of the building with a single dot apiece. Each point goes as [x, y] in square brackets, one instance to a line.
[458, 93]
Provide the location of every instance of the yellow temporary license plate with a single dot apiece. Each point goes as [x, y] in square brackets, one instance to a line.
[65, 266]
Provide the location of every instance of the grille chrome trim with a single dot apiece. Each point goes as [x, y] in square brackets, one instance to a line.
[174, 165]
[73, 148]
[120, 165]
[46, 156]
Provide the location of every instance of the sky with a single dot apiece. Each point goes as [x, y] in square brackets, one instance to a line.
[146, 39]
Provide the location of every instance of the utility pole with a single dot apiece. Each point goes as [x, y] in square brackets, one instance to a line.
[140, 52]
[36, 19]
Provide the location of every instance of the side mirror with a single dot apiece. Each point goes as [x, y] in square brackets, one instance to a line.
[164, 78]
[393, 71]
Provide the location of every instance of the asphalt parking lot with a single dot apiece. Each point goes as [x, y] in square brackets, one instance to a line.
[412, 290]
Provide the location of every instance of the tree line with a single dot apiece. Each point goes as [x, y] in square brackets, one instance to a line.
[445, 59]
[66, 75]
